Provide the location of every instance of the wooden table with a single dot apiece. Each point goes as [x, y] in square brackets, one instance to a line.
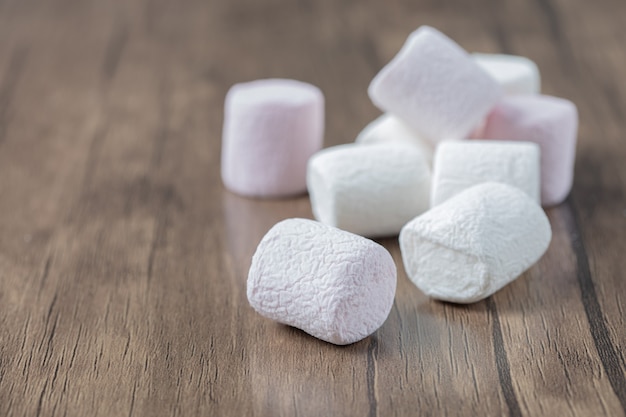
[123, 261]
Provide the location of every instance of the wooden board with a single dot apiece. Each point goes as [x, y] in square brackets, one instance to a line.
[123, 260]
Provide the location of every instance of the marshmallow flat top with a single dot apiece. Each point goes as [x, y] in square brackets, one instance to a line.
[515, 74]
[387, 128]
[551, 123]
[463, 164]
[475, 243]
[368, 190]
[434, 86]
[545, 109]
[334, 285]
[271, 128]
[276, 91]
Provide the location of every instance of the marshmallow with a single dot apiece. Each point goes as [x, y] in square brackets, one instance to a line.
[475, 243]
[271, 128]
[389, 129]
[515, 74]
[368, 190]
[550, 122]
[463, 164]
[334, 285]
[435, 87]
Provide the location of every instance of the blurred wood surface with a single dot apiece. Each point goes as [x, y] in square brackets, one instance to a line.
[123, 261]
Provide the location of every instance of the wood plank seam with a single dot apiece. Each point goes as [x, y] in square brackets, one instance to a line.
[372, 351]
[502, 361]
[597, 324]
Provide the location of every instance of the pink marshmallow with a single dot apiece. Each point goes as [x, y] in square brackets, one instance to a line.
[435, 87]
[271, 128]
[550, 122]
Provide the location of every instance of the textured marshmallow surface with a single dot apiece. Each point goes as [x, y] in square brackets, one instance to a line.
[551, 123]
[515, 74]
[389, 129]
[475, 243]
[271, 128]
[368, 190]
[435, 87]
[334, 285]
[462, 164]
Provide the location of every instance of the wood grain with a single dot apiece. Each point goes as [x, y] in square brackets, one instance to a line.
[123, 260]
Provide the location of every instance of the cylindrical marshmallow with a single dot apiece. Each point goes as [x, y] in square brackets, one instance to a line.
[271, 128]
[389, 129]
[334, 285]
[434, 86]
[475, 243]
[515, 74]
[368, 190]
[551, 123]
[462, 164]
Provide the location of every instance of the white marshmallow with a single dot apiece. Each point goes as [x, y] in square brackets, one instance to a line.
[463, 164]
[475, 243]
[435, 87]
[389, 129]
[368, 190]
[515, 74]
[334, 285]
